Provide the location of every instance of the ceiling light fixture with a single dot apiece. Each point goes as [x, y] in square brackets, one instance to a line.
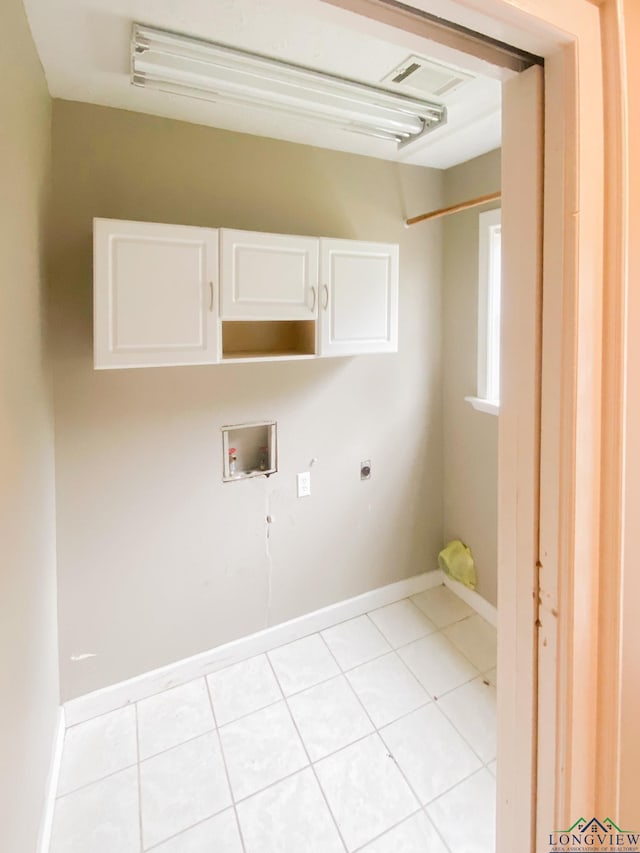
[182, 65]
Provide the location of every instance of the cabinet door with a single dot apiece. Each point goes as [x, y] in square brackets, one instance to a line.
[268, 276]
[358, 297]
[154, 294]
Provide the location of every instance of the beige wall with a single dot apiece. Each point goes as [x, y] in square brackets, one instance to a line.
[157, 558]
[470, 484]
[28, 641]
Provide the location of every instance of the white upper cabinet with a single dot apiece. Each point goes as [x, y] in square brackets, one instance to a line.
[268, 276]
[358, 297]
[175, 294]
[154, 294]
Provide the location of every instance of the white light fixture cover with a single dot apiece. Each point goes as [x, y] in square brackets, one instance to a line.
[186, 66]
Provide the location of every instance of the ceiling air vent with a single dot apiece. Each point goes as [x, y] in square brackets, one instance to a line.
[422, 75]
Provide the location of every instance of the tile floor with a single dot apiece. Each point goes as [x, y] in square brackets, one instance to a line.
[377, 735]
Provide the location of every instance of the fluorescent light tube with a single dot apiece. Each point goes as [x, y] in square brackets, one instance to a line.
[182, 65]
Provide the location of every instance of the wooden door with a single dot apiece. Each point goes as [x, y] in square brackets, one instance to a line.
[519, 458]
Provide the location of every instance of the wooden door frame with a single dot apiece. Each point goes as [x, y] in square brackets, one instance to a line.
[562, 669]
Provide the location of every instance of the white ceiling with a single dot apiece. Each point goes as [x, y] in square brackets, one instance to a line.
[84, 47]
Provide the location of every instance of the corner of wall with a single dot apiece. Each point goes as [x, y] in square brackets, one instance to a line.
[470, 457]
[29, 683]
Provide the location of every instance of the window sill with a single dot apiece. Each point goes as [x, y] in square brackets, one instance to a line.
[490, 407]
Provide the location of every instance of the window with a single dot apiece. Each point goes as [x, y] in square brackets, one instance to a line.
[489, 278]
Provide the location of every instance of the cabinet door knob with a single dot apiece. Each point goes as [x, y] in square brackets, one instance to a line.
[326, 296]
[313, 291]
[210, 296]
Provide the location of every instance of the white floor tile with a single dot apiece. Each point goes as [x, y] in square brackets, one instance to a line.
[173, 717]
[97, 748]
[402, 622]
[355, 642]
[260, 749]
[437, 664]
[302, 664]
[243, 688]
[415, 835]
[466, 815]
[442, 606]
[185, 796]
[219, 834]
[430, 752]
[181, 787]
[472, 710]
[365, 790]
[101, 818]
[290, 817]
[387, 689]
[476, 639]
[328, 717]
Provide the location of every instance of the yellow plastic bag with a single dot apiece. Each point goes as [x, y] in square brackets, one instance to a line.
[456, 560]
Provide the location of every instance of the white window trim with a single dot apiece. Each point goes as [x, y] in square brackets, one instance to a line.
[487, 396]
[488, 406]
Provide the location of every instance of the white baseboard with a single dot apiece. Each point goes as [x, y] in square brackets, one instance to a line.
[479, 604]
[46, 824]
[149, 683]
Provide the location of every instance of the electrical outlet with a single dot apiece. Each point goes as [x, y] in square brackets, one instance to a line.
[304, 484]
[365, 470]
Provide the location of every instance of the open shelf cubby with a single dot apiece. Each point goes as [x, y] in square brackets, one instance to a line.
[253, 339]
[249, 450]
